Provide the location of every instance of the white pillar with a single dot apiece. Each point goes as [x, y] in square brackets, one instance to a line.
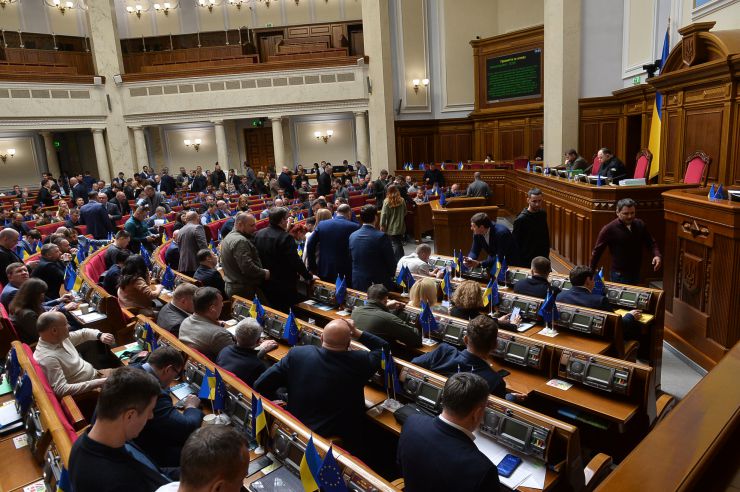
[277, 142]
[52, 161]
[221, 149]
[142, 158]
[562, 69]
[101, 154]
[361, 136]
[375, 20]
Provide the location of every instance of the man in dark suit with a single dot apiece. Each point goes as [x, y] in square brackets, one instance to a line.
[279, 254]
[611, 167]
[480, 340]
[324, 181]
[531, 234]
[121, 202]
[373, 261]
[206, 273]
[285, 181]
[433, 176]
[178, 309]
[114, 213]
[8, 243]
[333, 404]
[445, 444]
[94, 215]
[155, 199]
[165, 434]
[244, 358]
[45, 197]
[217, 176]
[331, 237]
[537, 285]
[50, 269]
[167, 183]
[79, 190]
[495, 239]
[200, 183]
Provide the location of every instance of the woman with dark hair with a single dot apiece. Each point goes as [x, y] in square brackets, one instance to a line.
[393, 219]
[179, 220]
[134, 289]
[467, 303]
[28, 304]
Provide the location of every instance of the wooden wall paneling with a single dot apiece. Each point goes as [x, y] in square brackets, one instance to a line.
[589, 139]
[671, 138]
[703, 131]
[536, 136]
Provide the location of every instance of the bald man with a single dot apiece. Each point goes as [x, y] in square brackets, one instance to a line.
[241, 261]
[334, 403]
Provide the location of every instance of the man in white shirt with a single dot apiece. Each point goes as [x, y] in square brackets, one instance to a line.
[66, 371]
[418, 262]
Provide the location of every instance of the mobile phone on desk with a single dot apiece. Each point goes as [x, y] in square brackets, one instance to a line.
[508, 465]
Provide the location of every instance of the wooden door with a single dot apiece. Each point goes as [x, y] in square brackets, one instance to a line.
[357, 43]
[259, 150]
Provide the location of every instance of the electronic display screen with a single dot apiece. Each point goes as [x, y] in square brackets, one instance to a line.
[429, 392]
[514, 430]
[599, 373]
[241, 412]
[440, 263]
[629, 296]
[96, 301]
[521, 305]
[517, 350]
[197, 378]
[514, 76]
[454, 331]
[581, 320]
[519, 275]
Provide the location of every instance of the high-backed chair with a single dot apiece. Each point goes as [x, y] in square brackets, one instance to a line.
[596, 165]
[697, 168]
[521, 162]
[642, 167]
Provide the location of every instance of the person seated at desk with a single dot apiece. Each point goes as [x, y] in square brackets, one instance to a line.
[207, 274]
[165, 434]
[432, 451]
[17, 274]
[427, 291]
[582, 278]
[202, 330]
[418, 262]
[454, 191]
[467, 303]
[66, 371]
[611, 167]
[245, 357]
[28, 304]
[110, 278]
[120, 241]
[480, 340]
[495, 239]
[538, 284]
[178, 309]
[214, 458]
[156, 221]
[334, 403]
[51, 269]
[574, 162]
[172, 254]
[135, 290]
[102, 458]
[377, 317]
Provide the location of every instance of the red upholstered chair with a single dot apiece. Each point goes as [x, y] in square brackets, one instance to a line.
[521, 162]
[642, 166]
[83, 229]
[475, 166]
[596, 165]
[47, 229]
[697, 168]
[163, 251]
[261, 224]
[7, 331]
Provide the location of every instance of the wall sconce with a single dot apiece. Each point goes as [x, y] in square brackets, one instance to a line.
[3, 3]
[63, 6]
[326, 137]
[195, 143]
[236, 3]
[138, 9]
[8, 153]
[209, 4]
[164, 8]
[416, 82]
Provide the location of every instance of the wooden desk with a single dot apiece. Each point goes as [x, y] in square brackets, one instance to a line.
[576, 212]
[571, 340]
[452, 226]
[19, 466]
[496, 179]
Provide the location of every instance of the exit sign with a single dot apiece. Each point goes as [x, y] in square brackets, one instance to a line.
[636, 80]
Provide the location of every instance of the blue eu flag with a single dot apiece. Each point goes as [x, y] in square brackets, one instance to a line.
[330, 476]
[290, 332]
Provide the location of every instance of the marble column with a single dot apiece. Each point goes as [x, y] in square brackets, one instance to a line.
[101, 154]
[375, 19]
[222, 151]
[52, 161]
[277, 142]
[142, 157]
[361, 136]
[562, 72]
[102, 27]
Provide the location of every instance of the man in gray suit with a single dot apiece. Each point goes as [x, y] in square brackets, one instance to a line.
[202, 330]
[241, 261]
[478, 187]
[155, 199]
[192, 238]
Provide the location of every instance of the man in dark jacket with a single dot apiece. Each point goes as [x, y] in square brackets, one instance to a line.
[279, 254]
[167, 183]
[285, 181]
[373, 261]
[165, 434]
[50, 269]
[45, 197]
[531, 234]
[376, 317]
[79, 190]
[537, 285]
[445, 443]
[324, 181]
[611, 167]
[114, 213]
[433, 176]
[206, 273]
[8, 242]
[331, 239]
[121, 202]
[180, 307]
[333, 404]
[94, 215]
[244, 358]
[217, 176]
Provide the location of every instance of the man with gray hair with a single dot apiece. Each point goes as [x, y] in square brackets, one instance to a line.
[478, 187]
[331, 239]
[240, 260]
[178, 309]
[418, 262]
[244, 358]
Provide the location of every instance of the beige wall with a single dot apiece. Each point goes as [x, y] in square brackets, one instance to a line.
[640, 25]
[68, 24]
[179, 155]
[309, 150]
[414, 64]
[726, 18]
[23, 169]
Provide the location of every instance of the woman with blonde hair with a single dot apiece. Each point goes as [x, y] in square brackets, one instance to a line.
[424, 290]
[243, 203]
[393, 219]
[63, 211]
[467, 303]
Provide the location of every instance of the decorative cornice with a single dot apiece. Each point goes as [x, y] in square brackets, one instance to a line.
[53, 123]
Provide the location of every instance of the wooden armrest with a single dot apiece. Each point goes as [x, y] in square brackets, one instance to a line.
[74, 413]
[663, 405]
[398, 483]
[630, 350]
[598, 468]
